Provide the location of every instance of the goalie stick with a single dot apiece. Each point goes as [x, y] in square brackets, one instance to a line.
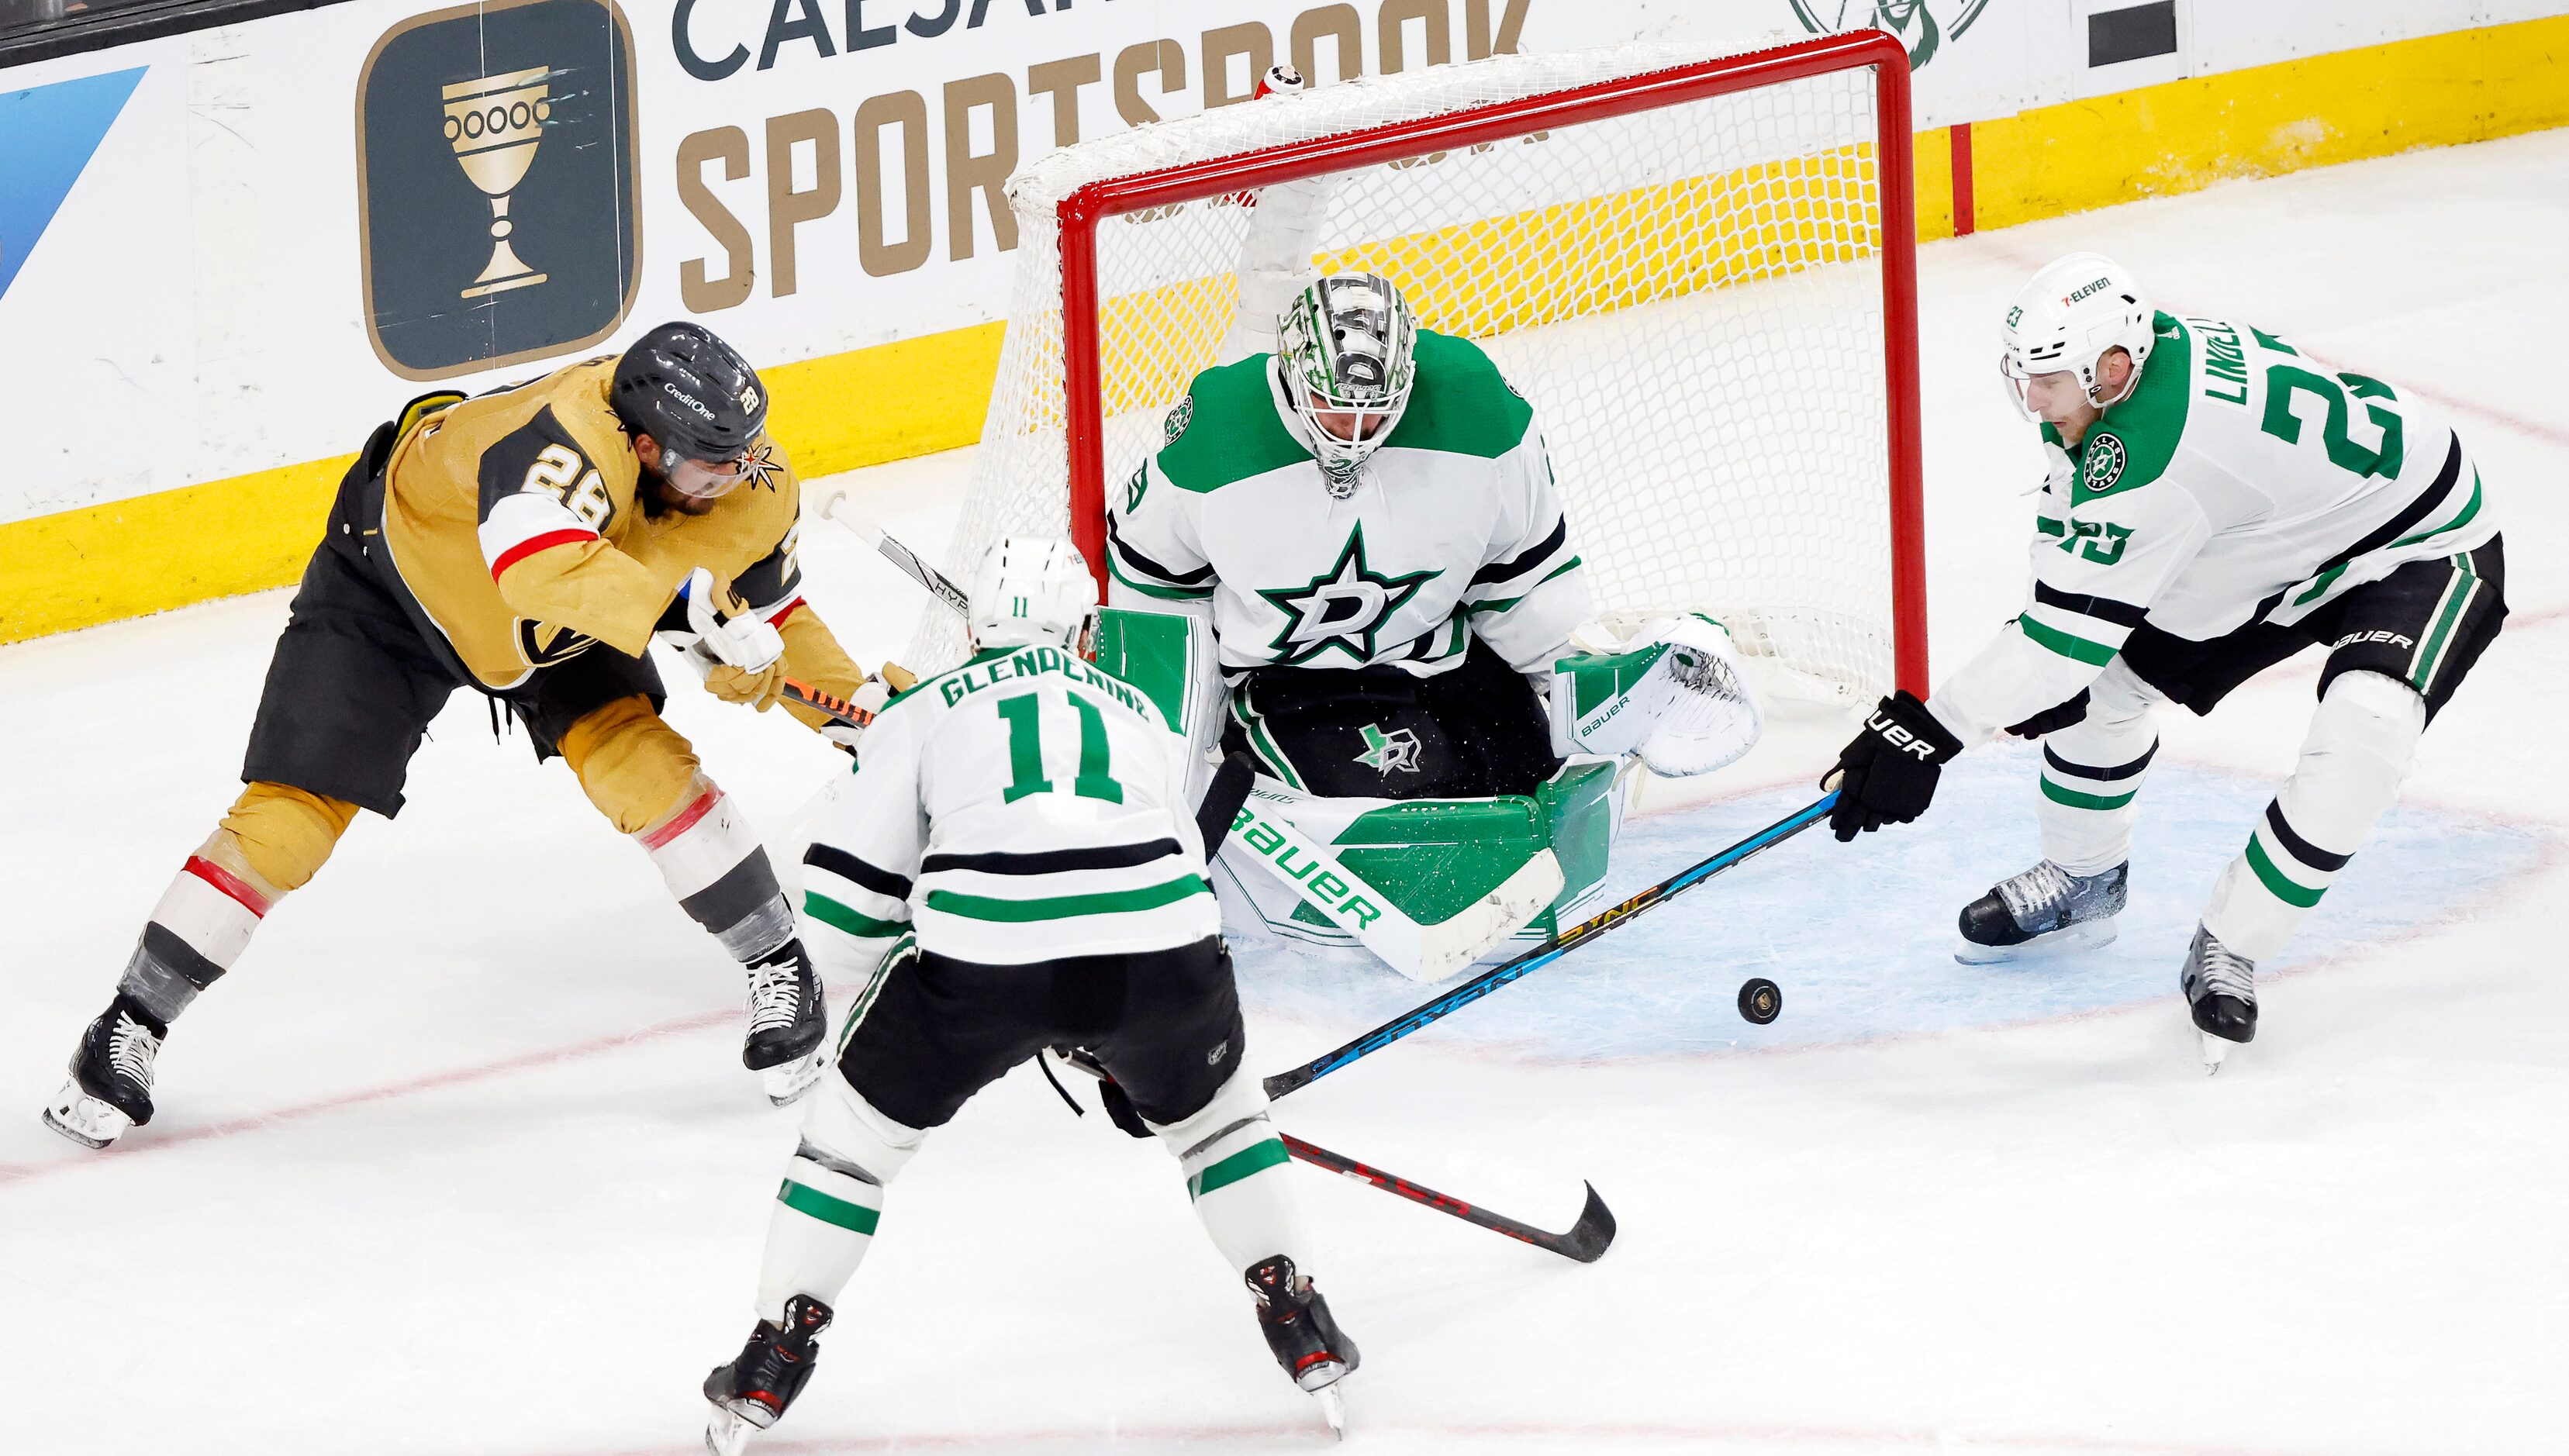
[1425, 953]
[1552, 950]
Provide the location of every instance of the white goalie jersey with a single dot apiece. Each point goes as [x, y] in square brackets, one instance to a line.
[1027, 805]
[1454, 528]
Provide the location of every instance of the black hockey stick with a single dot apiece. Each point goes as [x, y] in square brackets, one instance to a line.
[1586, 1239]
[1551, 950]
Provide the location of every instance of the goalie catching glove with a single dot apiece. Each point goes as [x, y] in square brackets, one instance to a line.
[1672, 693]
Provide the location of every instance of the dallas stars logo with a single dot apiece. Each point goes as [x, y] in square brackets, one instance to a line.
[1344, 607]
[1389, 753]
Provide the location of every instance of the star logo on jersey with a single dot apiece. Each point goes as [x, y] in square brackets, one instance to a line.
[1390, 753]
[1344, 607]
[759, 466]
[2106, 458]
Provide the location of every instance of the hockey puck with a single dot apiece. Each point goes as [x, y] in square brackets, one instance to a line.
[1759, 1000]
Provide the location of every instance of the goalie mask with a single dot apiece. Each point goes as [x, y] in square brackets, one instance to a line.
[2064, 320]
[1344, 356]
[1033, 590]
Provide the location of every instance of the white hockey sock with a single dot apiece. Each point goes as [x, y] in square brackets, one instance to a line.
[1235, 1166]
[716, 867]
[2360, 745]
[2093, 772]
[832, 1197]
[201, 926]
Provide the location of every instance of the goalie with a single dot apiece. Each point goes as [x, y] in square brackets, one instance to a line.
[1366, 519]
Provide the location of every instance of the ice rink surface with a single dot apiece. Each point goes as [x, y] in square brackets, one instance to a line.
[461, 1158]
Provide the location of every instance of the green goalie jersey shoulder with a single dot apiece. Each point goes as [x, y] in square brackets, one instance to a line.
[1461, 404]
[2139, 437]
[1227, 428]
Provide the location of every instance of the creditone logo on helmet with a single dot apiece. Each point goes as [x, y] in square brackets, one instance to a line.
[691, 401]
[2105, 460]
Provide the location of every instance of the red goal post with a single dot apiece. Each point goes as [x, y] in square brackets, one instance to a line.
[1865, 194]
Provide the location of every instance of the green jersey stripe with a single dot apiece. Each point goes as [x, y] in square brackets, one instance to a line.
[2276, 880]
[855, 923]
[1165, 593]
[1503, 606]
[1257, 1158]
[2470, 509]
[2059, 794]
[2095, 654]
[813, 1203]
[1064, 907]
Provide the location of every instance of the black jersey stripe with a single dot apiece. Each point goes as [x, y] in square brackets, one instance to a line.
[856, 872]
[2302, 849]
[1054, 861]
[2103, 608]
[2428, 502]
[1525, 560]
[1149, 567]
[2130, 770]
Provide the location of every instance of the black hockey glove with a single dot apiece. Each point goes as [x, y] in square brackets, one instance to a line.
[1888, 773]
[2054, 719]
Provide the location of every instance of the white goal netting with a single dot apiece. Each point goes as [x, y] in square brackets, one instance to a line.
[1692, 297]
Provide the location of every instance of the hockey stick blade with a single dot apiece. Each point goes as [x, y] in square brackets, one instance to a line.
[1552, 950]
[1586, 1239]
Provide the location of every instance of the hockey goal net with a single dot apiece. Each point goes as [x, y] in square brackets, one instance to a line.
[1696, 261]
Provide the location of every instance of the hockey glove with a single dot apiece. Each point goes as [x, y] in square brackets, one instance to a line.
[748, 654]
[1887, 775]
[2052, 720]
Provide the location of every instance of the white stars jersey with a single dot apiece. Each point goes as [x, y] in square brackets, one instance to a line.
[1454, 527]
[2241, 482]
[1027, 805]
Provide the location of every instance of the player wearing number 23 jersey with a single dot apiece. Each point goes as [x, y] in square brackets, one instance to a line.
[2218, 499]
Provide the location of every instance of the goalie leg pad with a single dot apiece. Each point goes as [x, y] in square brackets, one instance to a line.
[1674, 694]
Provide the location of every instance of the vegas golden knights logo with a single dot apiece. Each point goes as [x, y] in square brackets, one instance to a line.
[544, 644]
[499, 209]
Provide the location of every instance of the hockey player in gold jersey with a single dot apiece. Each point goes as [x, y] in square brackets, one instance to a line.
[526, 543]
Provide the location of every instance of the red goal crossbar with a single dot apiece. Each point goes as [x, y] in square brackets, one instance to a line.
[1094, 202]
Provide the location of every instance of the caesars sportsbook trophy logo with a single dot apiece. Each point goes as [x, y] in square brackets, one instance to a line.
[499, 208]
[494, 125]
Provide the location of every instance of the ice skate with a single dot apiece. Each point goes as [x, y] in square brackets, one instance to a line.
[110, 1088]
[2044, 910]
[1307, 1340]
[788, 1026]
[751, 1392]
[2221, 988]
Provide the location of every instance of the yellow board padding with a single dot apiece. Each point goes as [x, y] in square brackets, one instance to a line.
[100, 564]
[2436, 90]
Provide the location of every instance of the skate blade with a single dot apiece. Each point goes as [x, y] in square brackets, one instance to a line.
[2215, 1050]
[85, 1119]
[726, 1434]
[2086, 936]
[1333, 1407]
[786, 1082]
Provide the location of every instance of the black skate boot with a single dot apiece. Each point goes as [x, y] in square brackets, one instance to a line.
[2221, 988]
[111, 1083]
[787, 1023]
[752, 1391]
[2045, 909]
[1305, 1341]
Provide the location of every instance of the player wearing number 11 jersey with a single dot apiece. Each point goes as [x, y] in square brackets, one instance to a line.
[2218, 501]
[1014, 867]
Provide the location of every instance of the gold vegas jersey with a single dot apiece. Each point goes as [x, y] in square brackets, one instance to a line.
[514, 520]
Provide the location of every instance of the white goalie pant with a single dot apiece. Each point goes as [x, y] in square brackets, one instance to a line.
[2360, 745]
[833, 1194]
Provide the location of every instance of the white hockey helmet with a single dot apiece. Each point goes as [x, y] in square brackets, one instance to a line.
[1346, 346]
[2065, 318]
[1033, 590]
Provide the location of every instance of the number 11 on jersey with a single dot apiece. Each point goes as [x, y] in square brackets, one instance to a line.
[1025, 750]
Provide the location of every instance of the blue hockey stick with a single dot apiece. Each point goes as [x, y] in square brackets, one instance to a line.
[1551, 950]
